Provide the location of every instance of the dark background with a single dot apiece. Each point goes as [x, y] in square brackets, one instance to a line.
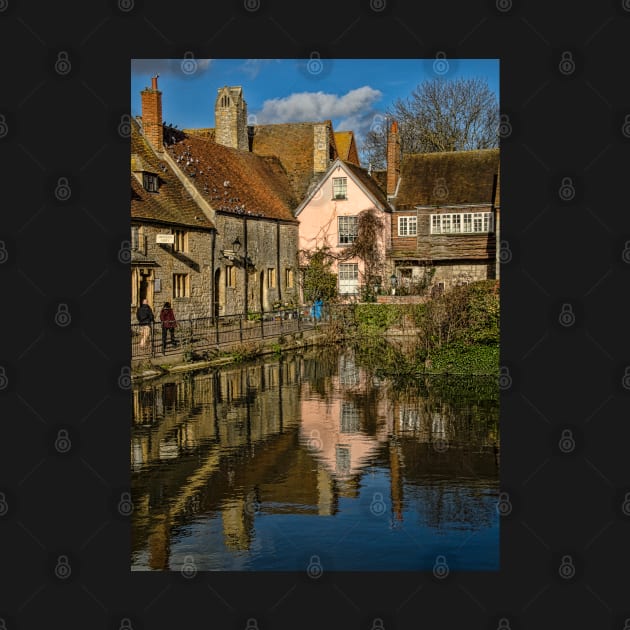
[61, 263]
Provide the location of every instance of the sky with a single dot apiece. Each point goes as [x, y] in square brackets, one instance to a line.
[353, 93]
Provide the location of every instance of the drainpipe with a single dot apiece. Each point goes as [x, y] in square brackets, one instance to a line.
[246, 271]
[212, 271]
[278, 283]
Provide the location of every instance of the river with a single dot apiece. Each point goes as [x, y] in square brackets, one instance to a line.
[312, 462]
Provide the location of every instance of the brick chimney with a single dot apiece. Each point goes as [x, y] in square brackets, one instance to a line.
[393, 158]
[152, 115]
[321, 147]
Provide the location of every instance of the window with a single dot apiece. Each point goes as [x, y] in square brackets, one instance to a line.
[349, 418]
[468, 222]
[342, 459]
[230, 276]
[180, 244]
[181, 285]
[150, 182]
[271, 278]
[288, 278]
[348, 278]
[348, 227]
[340, 187]
[135, 238]
[407, 226]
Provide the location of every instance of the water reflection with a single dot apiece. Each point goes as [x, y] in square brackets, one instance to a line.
[261, 466]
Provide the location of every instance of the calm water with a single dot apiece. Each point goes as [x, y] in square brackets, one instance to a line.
[311, 462]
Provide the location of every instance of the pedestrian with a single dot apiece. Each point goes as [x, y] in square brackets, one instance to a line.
[317, 309]
[167, 317]
[145, 319]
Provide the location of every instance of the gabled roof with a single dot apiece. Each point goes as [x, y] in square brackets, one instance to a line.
[171, 204]
[346, 147]
[360, 177]
[235, 181]
[449, 178]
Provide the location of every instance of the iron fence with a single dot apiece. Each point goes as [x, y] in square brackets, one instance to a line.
[197, 335]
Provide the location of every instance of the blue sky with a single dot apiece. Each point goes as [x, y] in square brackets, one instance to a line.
[353, 93]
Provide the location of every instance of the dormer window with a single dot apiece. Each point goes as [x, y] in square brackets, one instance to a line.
[340, 187]
[150, 182]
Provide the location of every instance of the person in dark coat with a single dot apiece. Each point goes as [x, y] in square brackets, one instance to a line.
[145, 319]
[167, 317]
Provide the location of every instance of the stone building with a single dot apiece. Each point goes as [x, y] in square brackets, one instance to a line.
[171, 237]
[445, 214]
[248, 198]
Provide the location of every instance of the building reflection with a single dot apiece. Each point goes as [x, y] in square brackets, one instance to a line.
[290, 436]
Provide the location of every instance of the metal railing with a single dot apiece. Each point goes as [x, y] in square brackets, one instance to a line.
[197, 335]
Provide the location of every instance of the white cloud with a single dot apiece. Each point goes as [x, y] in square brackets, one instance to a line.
[252, 67]
[312, 106]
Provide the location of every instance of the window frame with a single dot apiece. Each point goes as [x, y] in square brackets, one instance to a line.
[410, 220]
[339, 188]
[271, 277]
[230, 277]
[178, 279]
[462, 223]
[181, 236]
[289, 278]
[344, 272]
[346, 233]
[150, 181]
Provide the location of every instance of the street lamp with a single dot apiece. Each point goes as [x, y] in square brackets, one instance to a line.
[394, 280]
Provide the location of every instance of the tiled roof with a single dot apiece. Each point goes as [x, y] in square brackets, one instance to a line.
[369, 183]
[291, 143]
[346, 146]
[450, 178]
[171, 204]
[235, 181]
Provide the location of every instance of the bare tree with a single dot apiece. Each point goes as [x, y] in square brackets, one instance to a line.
[439, 115]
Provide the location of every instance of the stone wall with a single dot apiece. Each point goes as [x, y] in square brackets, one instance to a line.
[195, 262]
[266, 240]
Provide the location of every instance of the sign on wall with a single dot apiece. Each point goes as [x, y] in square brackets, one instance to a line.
[167, 239]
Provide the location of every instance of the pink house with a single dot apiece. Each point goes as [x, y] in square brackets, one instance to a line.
[328, 217]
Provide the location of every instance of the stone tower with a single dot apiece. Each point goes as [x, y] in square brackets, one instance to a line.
[230, 118]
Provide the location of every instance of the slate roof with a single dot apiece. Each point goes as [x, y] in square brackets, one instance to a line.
[171, 204]
[235, 181]
[449, 178]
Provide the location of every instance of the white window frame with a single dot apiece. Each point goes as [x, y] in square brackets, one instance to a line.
[339, 187]
[350, 237]
[408, 225]
[462, 223]
[348, 275]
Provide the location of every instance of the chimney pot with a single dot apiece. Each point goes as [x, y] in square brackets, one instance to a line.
[154, 85]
